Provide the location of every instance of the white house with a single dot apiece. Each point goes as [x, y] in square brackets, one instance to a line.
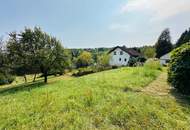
[119, 56]
[165, 59]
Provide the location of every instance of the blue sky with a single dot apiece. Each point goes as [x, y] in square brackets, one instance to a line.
[97, 23]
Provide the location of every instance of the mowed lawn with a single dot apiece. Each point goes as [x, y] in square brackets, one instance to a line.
[106, 100]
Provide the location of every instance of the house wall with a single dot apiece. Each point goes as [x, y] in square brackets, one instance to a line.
[165, 59]
[162, 62]
[114, 59]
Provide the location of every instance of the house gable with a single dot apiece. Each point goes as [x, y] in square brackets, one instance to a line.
[119, 57]
[130, 51]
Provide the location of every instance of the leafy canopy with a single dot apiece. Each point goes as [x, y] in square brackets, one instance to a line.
[34, 51]
[163, 45]
[184, 38]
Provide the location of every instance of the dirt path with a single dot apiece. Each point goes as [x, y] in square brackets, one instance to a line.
[158, 87]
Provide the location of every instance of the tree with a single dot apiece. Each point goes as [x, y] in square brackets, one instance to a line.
[18, 55]
[103, 60]
[148, 51]
[50, 54]
[179, 69]
[34, 51]
[184, 38]
[5, 70]
[84, 59]
[163, 45]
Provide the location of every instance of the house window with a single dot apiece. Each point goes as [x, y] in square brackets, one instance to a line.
[121, 52]
[125, 60]
[115, 52]
[119, 59]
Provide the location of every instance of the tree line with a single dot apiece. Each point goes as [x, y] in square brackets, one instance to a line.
[164, 44]
[33, 51]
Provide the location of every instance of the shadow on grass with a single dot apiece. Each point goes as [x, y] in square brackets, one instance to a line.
[22, 87]
[25, 86]
[181, 99]
[127, 89]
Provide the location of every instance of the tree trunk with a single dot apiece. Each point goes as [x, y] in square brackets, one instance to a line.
[45, 77]
[25, 79]
[34, 77]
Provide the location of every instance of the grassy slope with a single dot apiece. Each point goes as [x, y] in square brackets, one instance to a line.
[106, 100]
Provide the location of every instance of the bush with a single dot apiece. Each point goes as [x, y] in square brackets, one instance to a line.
[132, 61]
[83, 71]
[136, 61]
[153, 64]
[84, 60]
[115, 67]
[6, 79]
[179, 69]
[103, 60]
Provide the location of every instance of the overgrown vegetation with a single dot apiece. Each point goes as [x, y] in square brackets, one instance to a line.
[84, 60]
[179, 69]
[74, 103]
[153, 64]
[106, 100]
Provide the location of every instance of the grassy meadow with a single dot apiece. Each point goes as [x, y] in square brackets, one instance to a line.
[107, 100]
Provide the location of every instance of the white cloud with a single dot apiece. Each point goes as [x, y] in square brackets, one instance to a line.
[158, 9]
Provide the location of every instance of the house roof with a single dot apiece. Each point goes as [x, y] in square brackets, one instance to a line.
[130, 51]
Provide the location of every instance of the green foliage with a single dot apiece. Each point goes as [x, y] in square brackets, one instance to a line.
[163, 45]
[18, 54]
[102, 65]
[84, 59]
[84, 71]
[136, 61]
[103, 60]
[5, 71]
[132, 61]
[6, 79]
[33, 51]
[184, 38]
[148, 51]
[153, 64]
[179, 69]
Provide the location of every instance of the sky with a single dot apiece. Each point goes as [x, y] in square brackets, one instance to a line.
[97, 23]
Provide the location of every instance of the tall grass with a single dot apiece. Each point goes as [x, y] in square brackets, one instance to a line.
[153, 64]
[96, 101]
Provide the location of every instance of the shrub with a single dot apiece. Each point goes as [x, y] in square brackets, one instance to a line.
[115, 67]
[132, 61]
[103, 60]
[83, 71]
[136, 61]
[179, 69]
[10, 79]
[6, 79]
[153, 64]
[84, 60]
[99, 68]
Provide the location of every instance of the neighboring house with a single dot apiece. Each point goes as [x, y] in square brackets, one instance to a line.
[119, 56]
[165, 59]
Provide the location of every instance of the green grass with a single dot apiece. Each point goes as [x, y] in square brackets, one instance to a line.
[105, 100]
